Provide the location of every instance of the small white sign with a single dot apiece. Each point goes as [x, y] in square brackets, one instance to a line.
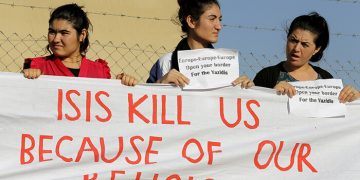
[317, 98]
[209, 68]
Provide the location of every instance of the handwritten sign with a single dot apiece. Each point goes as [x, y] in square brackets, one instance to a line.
[209, 68]
[317, 98]
[72, 128]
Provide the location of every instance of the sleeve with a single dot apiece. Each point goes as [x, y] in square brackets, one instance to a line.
[260, 79]
[155, 73]
[27, 63]
[105, 68]
[266, 77]
[35, 63]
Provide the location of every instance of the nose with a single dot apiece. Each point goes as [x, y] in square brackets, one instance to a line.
[57, 37]
[297, 46]
[218, 26]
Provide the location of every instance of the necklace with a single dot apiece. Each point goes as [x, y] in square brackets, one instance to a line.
[77, 61]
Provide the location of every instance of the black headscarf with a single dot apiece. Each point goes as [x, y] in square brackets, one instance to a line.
[183, 45]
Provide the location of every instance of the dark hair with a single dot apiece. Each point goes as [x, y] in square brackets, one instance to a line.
[77, 17]
[194, 8]
[316, 24]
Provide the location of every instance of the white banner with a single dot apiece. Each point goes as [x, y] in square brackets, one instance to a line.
[78, 128]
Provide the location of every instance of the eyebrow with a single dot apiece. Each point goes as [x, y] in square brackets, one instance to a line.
[215, 16]
[296, 38]
[61, 30]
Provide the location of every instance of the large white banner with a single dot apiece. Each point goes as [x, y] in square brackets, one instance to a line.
[78, 128]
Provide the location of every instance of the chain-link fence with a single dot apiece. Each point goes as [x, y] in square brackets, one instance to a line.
[135, 60]
[138, 59]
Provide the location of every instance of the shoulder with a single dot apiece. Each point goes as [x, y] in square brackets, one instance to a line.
[38, 59]
[323, 73]
[97, 62]
[267, 77]
[272, 69]
[165, 59]
[99, 65]
[164, 63]
[36, 62]
[161, 67]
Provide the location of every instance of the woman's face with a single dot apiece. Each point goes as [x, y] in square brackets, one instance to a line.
[300, 47]
[63, 39]
[208, 26]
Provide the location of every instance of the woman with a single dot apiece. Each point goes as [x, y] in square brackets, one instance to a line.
[307, 38]
[201, 22]
[68, 38]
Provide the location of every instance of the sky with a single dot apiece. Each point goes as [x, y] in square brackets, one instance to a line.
[256, 29]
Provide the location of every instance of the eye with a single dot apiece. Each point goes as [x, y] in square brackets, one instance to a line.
[65, 32]
[305, 44]
[293, 40]
[211, 17]
[51, 32]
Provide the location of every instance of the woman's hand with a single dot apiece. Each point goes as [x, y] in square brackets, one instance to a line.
[174, 76]
[243, 81]
[126, 79]
[348, 94]
[32, 73]
[284, 87]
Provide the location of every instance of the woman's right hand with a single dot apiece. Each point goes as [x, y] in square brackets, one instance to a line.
[284, 87]
[32, 73]
[174, 76]
[126, 79]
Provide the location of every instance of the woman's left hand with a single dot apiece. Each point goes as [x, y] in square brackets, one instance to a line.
[126, 79]
[243, 81]
[348, 94]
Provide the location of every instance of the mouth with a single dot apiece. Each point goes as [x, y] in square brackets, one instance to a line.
[295, 56]
[56, 46]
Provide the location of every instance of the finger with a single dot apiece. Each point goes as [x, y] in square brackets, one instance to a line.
[285, 91]
[31, 74]
[280, 90]
[35, 73]
[38, 73]
[343, 93]
[127, 80]
[239, 80]
[132, 81]
[250, 84]
[291, 92]
[181, 82]
[244, 83]
[26, 73]
[348, 97]
[124, 80]
[184, 79]
[119, 76]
